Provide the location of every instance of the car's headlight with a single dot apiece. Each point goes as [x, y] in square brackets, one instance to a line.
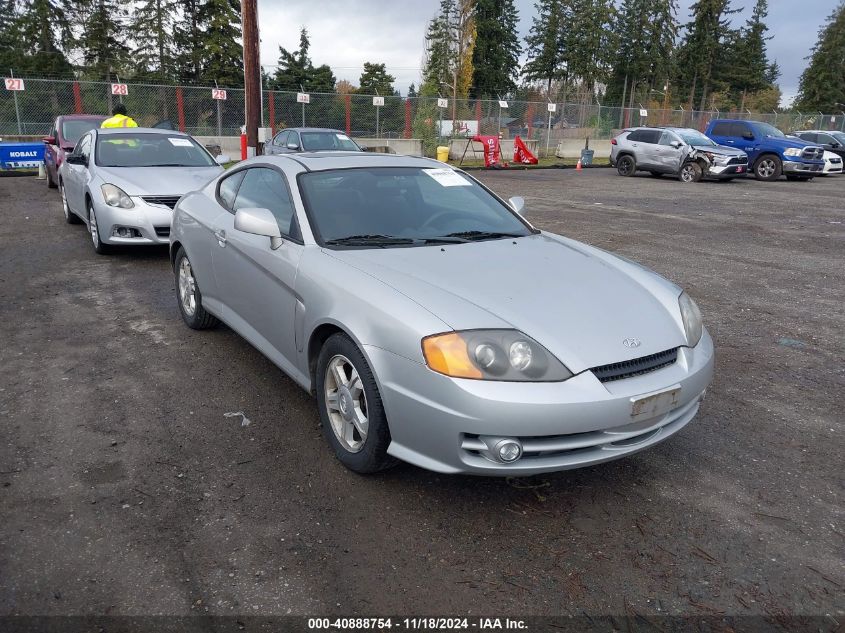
[792, 151]
[507, 355]
[116, 197]
[692, 319]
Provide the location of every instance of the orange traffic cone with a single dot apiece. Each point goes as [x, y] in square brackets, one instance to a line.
[578, 166]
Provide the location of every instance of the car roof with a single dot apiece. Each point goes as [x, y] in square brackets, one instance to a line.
[135, 130]
[322, 161]
[82, 117]
[313, 129]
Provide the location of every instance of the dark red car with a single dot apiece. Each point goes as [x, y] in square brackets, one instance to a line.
[67, 129]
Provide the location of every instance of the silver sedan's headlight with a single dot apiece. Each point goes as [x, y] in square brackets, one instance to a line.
[507, 355]
[691, 316]
[116, 197]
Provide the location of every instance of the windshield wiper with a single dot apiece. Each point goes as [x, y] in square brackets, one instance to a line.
[365, 240]
[482, 235]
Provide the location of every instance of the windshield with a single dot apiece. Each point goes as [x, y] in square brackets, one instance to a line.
[694, 137]
[327, 141]
[150, 150]
[73, 130]
[402, 206]
[768, 130]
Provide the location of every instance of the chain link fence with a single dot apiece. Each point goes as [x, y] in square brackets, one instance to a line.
[31, 112]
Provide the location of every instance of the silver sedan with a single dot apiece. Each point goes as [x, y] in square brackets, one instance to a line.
[433, 323]
[124, 182]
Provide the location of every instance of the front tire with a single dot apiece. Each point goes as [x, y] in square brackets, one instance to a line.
[626, 166]
[691, 172]
[769, 167]
[351, 411]
[94, 230]
[70, 216]
[189, 297]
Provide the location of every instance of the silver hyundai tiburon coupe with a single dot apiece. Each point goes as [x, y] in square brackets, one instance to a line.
[432, 321]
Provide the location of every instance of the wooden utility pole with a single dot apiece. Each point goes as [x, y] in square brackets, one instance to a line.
[252, 74]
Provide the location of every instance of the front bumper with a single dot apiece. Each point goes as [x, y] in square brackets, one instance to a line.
[150, 221]
[802, 167]
[727, 171]
[435, 421]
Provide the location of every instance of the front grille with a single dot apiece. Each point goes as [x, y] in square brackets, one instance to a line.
[635, 367]
[813, 153]
[162, 231]
[738, 160]
[167, 201]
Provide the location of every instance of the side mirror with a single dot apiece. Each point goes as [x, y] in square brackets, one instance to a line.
[293, 147]
[50, 140]
[748, 136]
[76, 159]
[259, 221]
[676, 144]
[517, 204]
[222, 159]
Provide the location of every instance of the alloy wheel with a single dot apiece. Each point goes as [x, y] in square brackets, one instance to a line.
[766, 168]
[65, 208]
[92, 227]
[687, 173]
[187, 287]
[346, 403]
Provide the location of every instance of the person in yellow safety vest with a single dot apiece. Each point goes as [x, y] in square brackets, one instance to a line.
[119, 118]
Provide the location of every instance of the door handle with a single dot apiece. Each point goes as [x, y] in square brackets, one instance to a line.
[221, 238]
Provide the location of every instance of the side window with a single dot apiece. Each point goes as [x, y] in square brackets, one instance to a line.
[228, 189]
[824, 139]
[635, 136]
[294, 138]
[722, 129]
[83, 148]
[266, 189]
[666, 138]
[651, 136]
[741, 130]
[281, 139]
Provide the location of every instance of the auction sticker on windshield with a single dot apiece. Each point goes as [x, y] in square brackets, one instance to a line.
[448, 178]
[180, 142]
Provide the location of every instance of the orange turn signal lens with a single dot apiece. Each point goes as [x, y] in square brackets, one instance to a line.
[448, 354]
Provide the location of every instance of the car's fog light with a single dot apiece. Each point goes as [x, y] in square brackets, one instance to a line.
[123, 231]
[504, 450]
[509, 451]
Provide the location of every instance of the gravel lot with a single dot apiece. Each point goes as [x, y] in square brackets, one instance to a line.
[125, 490]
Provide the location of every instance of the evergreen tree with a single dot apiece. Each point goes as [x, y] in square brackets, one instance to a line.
[822, 86]
[699, 55]
[375, 80]
[222, 53]
[102, 40]
[590, 40]
[495, 56]
[34, 37]
[412, 91]
[546, 43]
[296, 70]
[646, 38]
[155, 54]
[187, 40]
[449, 41]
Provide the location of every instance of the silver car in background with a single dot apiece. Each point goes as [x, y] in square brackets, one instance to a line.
[682, 152]
[433, 323]
[310, 139]
[124, 182]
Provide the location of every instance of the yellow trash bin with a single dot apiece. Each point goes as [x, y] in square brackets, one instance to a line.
[442, 153]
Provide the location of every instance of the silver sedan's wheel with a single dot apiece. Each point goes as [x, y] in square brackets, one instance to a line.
[187, 288]
[346, 403]
[70, 216]
[351, 411]
[94, 230]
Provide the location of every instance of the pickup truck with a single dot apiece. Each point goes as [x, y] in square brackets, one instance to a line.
[770, 152]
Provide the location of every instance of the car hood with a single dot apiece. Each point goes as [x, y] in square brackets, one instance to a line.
[581, 303]
[722, 150]
[139, 181]
[785, 143]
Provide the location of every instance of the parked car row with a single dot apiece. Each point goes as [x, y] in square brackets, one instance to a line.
[359, 276]
[728, 149]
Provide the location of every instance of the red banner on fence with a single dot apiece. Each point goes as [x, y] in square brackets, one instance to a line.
[521, 154]
[491, 149]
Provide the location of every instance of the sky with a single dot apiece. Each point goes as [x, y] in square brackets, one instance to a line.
[346, 33]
